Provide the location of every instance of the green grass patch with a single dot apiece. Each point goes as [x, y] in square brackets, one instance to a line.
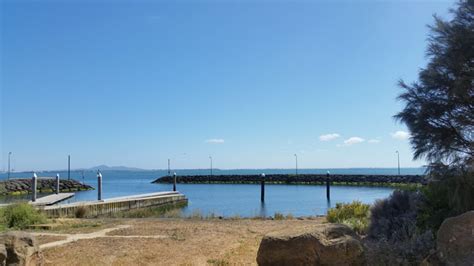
[20, 216]
[355, 215]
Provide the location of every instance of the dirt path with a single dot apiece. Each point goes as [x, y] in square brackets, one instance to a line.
[169, 242]
[102, 233]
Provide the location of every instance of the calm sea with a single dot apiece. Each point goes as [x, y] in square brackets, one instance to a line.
[230, 200]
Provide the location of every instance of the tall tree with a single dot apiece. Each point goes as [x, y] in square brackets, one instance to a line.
[439, 109]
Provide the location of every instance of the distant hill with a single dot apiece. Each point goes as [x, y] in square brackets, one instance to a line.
[114, 168]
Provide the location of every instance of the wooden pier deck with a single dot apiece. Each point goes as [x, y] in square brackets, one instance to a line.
[51, 199]
[112, 205]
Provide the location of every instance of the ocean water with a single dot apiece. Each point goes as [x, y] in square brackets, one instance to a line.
[230, 199]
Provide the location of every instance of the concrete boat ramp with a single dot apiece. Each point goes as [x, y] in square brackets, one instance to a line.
[113, 205]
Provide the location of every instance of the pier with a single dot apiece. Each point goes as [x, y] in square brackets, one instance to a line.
[113, 205]
[51, 199]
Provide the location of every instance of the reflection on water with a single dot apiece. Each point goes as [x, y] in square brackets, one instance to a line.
[263, 210]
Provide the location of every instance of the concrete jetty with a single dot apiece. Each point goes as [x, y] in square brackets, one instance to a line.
[51, 199]
[113, 205]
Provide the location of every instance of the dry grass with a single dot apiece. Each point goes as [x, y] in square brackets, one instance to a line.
[188, 242]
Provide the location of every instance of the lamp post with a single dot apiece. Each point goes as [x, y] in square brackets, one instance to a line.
[210, 157]
[398, 157]
[169, 171]
[296, 161]
[9, 154]
[69, 167]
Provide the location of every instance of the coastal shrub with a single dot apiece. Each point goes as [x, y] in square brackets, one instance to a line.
[409, 252]
[394, 218]
[355, 215]
[278, 216]
[21, 215]
[393, 230]
[80, 212]
[449, 193]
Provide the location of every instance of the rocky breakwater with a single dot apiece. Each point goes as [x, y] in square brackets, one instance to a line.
[45, 185]
[299, 179]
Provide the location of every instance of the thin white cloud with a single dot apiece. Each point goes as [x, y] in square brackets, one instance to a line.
[215, 141]
[373, 141]
[401, 135]
[353, 140]
[329, 137]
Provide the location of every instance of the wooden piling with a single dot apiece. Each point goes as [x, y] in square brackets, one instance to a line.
[34, 187]
[174, 182]
[57, 183]
[99, 186]
[328, 187]
[262, 188]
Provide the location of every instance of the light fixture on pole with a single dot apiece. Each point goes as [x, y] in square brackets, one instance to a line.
[9, 154]
[296, 161]
[169, 171]
[69, 167]
[210, 158]
[398, 157]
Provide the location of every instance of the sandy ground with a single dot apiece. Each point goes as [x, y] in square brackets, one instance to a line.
[165, 242]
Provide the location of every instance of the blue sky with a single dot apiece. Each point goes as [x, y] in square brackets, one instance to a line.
[137, 82]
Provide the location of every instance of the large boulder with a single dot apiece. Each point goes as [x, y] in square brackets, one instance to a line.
[455, 240]
[328, 244]
[21, 248]
[3, 255]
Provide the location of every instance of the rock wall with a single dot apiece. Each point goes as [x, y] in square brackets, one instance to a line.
[296, 179]
[20, 186]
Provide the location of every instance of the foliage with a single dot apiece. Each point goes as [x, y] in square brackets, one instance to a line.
[408, 252]
[80, 212]
[451, 193]
[279, 216]
[21, 215]
[393, 229]
[439, 109]
[394, 219]
[354, 215]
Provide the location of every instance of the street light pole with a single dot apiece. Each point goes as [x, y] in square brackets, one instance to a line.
[169, 171]
[398, 157]
[69, 167]
[210, 157]
[9, 154]
[296, 160]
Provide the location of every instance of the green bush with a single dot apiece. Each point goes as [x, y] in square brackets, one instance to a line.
[355, 215]
[450, 193]
[393, 228]
[21, 215]
[279, 216]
